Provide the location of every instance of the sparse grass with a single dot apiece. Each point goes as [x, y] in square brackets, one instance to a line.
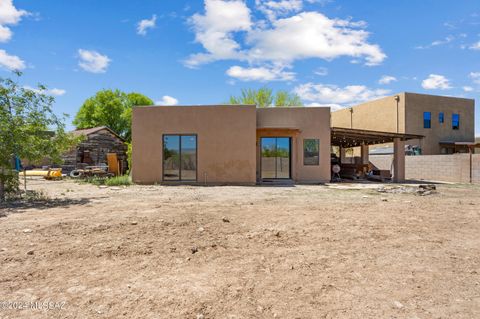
[28, 198]
[119, 181]
[93, 180]
[123, 180]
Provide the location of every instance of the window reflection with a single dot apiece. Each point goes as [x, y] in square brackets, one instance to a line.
[311, 152]
[275, 157]
[179, 157]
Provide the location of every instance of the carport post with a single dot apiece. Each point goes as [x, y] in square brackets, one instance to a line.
[343, 155]
[398, 160]
[364, 154]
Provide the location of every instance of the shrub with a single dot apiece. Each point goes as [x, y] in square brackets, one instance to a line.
[129, 157]
[10, 184]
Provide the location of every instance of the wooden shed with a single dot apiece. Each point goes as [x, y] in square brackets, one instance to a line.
[93, 149]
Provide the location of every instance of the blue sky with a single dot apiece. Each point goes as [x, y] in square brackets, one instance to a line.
[334, 52]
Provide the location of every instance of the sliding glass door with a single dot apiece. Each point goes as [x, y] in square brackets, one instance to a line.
[179, 157]
[276, 157]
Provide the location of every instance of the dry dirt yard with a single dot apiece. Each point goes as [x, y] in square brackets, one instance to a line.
[242, 252]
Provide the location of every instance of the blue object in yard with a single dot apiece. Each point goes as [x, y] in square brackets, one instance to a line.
[18, 164]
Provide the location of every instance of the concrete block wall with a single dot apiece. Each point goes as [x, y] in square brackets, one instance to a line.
[448, 168]
[382, 161]
[476, 168]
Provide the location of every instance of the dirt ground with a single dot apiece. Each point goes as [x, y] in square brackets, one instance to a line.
[242, 252]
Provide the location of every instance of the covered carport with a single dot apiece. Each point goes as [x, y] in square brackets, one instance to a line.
[346, 138]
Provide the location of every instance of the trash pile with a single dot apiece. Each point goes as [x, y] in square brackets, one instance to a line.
[421, 190]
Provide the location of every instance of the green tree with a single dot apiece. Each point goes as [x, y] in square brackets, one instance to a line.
[264, 97]
[283, 98]
[134, 99]
[28, 129]
[112, 108]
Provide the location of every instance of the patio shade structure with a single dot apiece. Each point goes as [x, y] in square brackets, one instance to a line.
[347, 138]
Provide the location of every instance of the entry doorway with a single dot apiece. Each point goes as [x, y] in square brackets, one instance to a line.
[276, 157]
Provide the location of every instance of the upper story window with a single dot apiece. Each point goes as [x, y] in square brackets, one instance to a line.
[427, 119]
[455, 121]
[441, 118]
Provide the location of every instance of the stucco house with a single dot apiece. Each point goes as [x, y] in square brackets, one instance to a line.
[242, 144]
[230, 144]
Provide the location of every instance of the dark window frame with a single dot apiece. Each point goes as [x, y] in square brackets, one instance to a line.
[290, 152]
[455, 127]
[427, 122]
[318, 152]
[180, 157]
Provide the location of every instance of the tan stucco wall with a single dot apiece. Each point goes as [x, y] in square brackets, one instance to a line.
[378, 115]
[416, 104]
[313, 122]
[225, 141]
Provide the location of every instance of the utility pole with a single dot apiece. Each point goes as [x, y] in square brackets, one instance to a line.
[351, 117]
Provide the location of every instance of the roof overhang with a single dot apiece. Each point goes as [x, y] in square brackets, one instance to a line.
[92, 130]
[348, 137]
[278, 131]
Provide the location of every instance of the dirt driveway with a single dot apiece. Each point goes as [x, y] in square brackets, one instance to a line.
[242, 252]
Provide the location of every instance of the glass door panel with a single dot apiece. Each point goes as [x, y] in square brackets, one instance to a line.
[275, 162]
[269, 146]
[283, 157]
[171, 157]
[188, 158]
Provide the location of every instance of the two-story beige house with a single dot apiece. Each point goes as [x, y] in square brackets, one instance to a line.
[447, 123]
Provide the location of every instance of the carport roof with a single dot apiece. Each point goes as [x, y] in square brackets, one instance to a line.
[349, 137]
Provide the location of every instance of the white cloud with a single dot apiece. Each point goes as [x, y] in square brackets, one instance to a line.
[312, 35]
[475, 46]
[280, 42]
[11, 62]
[57, 92]
[321, 2]
[333, 107]
[321, 71]
[436, 43]
[272, 9]
[92, 61]
[449, 25]
[467, 88]
[447, 40]
[146, 24]
[475, 76]
[167, 100]
[327, 94]
[5, 34]
[214, 30]
[9, 15]
[54, 91]
[436, 82]
[260, 74]
[387, 79]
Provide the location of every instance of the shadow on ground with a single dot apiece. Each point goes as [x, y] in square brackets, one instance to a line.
[19, 206]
